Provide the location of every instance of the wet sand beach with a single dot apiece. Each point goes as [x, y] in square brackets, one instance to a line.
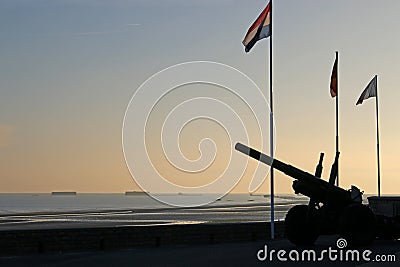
[91, 211]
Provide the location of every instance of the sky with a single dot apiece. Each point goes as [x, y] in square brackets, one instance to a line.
[69, 69]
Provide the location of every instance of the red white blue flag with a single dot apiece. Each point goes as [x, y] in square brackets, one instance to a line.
[370, 91]
[260, 29]
[334, 80]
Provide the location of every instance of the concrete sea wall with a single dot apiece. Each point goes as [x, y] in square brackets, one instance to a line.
[110, 238]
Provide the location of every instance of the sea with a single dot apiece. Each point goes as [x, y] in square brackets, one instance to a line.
[49, 211]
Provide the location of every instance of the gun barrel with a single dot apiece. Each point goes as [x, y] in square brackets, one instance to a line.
[276, 164]
[254, 154]
[306, 183]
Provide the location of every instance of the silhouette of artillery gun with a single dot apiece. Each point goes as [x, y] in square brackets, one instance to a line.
[331, 209]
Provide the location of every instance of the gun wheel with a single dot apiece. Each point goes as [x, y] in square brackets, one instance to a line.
[357, 225]
[299, 228]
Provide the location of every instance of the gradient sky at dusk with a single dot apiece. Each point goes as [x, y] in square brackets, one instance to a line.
[69, 68]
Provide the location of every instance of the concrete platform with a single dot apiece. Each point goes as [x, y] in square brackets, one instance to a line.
[224, 254]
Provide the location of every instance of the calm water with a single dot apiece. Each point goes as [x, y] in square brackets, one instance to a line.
[32, 211]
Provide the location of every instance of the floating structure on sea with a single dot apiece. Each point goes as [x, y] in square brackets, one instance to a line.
[135, 193]
[63, 193]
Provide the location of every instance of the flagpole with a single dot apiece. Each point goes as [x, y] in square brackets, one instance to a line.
[377, 138]
[271, 128]
[337, 115]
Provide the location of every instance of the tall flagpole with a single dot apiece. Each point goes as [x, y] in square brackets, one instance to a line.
[377, 138]
[271, 128]
[337, 115]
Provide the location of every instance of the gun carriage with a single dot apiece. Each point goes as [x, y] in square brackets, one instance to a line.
[331, 209]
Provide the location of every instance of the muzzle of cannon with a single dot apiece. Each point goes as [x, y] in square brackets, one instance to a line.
[331, 209]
